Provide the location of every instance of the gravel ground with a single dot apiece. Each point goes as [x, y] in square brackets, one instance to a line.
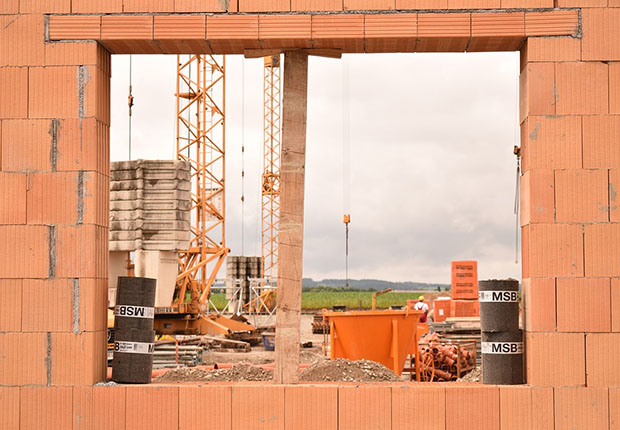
[345, 370]
[473, 376]
[237, 373]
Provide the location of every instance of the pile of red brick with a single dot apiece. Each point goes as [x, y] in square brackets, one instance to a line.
[464, 300]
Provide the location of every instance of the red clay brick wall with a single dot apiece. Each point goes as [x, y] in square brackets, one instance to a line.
[349, 32]
[54, 155]
[571, 153]
[330, 407]
[54, 119]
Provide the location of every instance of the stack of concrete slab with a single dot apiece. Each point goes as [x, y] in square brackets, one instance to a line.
[149, 205]
[239, 271]
[149, 216]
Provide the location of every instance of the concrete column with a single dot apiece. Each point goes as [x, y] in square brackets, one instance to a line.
[288, 316]
[160, 265]
[117, 266]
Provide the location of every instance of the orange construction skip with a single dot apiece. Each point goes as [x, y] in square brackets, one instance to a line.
[382, 336]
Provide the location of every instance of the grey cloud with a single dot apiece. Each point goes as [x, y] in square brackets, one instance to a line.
[432, 173]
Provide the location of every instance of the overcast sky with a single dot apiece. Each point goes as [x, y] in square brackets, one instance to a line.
[432, 174]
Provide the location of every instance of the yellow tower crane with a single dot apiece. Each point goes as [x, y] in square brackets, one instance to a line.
[271, 169]
[201, 137]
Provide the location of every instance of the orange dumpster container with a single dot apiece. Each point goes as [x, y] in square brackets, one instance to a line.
[382, 336]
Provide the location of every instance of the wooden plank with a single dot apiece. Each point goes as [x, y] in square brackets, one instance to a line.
[288, 314]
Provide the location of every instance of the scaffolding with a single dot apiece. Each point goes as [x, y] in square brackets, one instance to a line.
[270, 213]
[200, 141]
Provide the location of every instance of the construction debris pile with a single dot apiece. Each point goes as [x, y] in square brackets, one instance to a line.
[237, 373]
[473, 376]
[345, 370]
[441, 360]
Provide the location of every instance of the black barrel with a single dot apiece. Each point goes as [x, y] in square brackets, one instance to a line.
[135, 301]
[133, 330]
[499, 305]
[133, 356]
[502, 358]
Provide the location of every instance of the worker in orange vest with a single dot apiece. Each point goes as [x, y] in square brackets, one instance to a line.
[421, 306]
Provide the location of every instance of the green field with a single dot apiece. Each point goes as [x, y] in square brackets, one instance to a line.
[351, 299]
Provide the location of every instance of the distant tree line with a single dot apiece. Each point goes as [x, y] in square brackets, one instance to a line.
[373, 284]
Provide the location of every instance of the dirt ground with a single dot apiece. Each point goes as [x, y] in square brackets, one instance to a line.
[247, 367]
[320, 369]
[237, 373]
[259, 355]
[337, 370]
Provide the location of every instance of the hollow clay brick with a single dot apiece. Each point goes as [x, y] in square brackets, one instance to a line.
[411, 402]
[13, 203]
[577, 408]
[583, 304]
[581, 195]
[539, 297]
[259, 406]
[472, 407]
[219, 399]
[42, 406]
[524, 407]
[555, 250]
[10, 305]
[602, 369]
[543, 353]
[601, 34]
[581, 88]
[264, 5]
[551, 143]
[602, 250]
[537, 83]
[537, 196]
[311, 407]
[364, 406]
[152, 407]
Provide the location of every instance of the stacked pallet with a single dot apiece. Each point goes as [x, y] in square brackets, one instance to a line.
[149, 205]
[464, 289]
[464, 293]
[239, 271]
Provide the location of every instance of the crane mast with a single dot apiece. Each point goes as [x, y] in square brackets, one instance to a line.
[200, 140]
[271, 168]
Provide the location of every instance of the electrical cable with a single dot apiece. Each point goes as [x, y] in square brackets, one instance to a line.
[517, 152]
[130, 103]
[346, 151]
[516, 211]
[242, 156]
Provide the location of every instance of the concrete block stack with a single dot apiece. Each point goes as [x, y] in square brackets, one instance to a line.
[239, 271]
[150, 216]
[464, 291]
[149, 205]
